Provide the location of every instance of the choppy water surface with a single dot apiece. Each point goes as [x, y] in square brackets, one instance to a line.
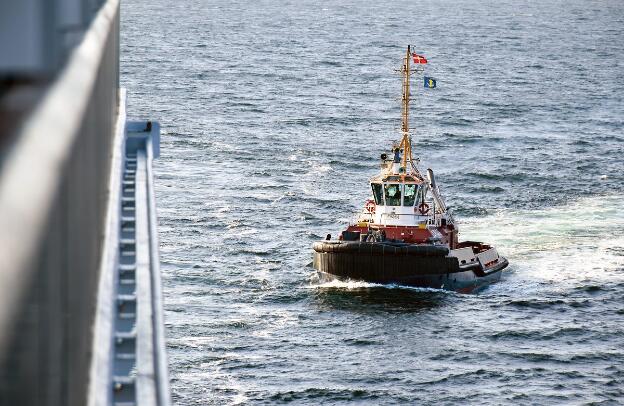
[273, 116]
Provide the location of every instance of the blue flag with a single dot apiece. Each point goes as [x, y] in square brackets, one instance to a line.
[430, 82]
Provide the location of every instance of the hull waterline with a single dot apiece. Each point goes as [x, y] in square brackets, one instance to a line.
[435, 271]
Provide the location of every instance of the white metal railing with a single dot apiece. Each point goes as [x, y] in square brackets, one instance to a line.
[131, 278]
[435, 219]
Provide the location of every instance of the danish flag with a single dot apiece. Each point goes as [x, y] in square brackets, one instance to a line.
[419, 58]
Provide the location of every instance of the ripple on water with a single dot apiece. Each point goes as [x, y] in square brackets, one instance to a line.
[274, 115]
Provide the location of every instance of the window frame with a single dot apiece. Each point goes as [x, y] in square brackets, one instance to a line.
[400, 186]
[416, 193]
[382, 201]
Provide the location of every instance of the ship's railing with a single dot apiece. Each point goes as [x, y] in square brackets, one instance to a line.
[433, 220]
[129, 365]
[413, 218]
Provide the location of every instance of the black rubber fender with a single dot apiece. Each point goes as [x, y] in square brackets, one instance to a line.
[381, 248]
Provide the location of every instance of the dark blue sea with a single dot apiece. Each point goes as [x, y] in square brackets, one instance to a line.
[274, 114]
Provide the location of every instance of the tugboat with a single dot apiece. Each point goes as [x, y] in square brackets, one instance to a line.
[405, 234]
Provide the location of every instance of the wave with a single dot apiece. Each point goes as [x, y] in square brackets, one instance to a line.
[328, 394]
[578, 244]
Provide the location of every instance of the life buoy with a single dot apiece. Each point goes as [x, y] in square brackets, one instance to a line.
[423, 208]
[370, 206]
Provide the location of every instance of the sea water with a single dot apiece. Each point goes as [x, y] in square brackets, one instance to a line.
[274, 114]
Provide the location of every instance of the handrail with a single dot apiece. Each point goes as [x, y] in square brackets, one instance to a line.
[133, 370]
[161, 366]
[145, 359]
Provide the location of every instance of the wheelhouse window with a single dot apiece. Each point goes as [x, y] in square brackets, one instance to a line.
[378, 193]
[393, 194]
[409, 195]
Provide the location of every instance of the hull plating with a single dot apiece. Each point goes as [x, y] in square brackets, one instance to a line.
[424, 272]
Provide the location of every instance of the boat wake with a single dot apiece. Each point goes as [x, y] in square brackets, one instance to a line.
[577, 243]
[555, 248]
[359, 285]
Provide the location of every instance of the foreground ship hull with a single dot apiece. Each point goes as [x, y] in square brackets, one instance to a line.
[423, 266]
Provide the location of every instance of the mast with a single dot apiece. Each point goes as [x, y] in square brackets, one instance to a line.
[406, 144]
[406, 91]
